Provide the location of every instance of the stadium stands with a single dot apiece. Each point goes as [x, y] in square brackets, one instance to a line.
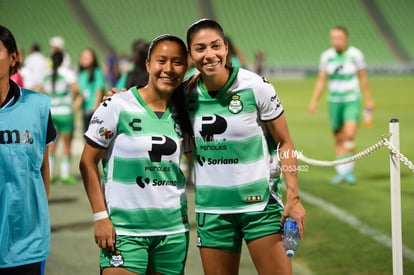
[296, 32]
[37, 21]
[291, 33]
[399, 15]
[124, 21]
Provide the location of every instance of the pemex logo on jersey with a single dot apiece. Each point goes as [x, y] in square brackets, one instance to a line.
[212, 125]
[161, 146]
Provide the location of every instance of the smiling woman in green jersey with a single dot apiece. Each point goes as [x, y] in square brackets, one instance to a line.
[141, 220]
[344, 68]
[232, 111]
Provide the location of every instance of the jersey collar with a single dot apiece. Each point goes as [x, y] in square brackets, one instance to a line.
[224, 89]
[147, 108]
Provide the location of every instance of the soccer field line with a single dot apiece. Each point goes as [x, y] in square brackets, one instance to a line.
[354, 222]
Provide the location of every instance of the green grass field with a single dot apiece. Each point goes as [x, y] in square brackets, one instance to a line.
[331, 245]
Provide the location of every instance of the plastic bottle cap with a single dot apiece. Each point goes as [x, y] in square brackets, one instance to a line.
[290, 253]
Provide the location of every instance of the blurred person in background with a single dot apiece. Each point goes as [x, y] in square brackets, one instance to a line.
[237, 57]
[137, 75]
[34, 68]
[26, 129]
[344, 68]
[57, 44]
[259, 61]
[91, 81]
[111, 67]
[18, 76]
[60, 84]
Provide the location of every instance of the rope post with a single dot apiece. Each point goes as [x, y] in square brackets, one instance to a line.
[395, 186]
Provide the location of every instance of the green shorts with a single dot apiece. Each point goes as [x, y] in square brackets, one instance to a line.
[227, 231]
[64, 123]
[341, 112]
[162, 254]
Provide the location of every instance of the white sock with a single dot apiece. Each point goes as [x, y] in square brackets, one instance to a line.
[345, 168]
[65, 167]
[51, 165]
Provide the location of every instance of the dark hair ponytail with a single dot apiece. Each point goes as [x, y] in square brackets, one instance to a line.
[57, 60]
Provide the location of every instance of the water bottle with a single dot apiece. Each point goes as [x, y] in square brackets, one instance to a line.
[367, 118]
[290, 237]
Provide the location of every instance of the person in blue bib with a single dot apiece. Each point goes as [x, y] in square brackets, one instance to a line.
[26, 129]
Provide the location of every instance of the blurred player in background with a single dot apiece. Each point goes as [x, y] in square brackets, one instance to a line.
[137, 74]
[91, 81]
[57, 44]
[60, 84]
[35, 68]
[344, 68]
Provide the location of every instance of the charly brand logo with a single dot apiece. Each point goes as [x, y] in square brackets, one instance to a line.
[135, 124]
[288, 154]
[212, 125]
[15, 136]
[106, 101]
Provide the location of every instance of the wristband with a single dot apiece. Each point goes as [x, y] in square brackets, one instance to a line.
[100, 215]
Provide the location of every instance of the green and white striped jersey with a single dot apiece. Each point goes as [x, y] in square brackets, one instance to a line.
[144, 185]
[231, 158]
[342, 70]
[62, 99]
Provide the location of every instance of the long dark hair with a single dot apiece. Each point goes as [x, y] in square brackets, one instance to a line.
[57, 60]
[7, 38]
[90, 69]
[139, 74]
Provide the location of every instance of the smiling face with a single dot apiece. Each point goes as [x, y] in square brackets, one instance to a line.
[166, 66]
[208, 51]
[7, 62]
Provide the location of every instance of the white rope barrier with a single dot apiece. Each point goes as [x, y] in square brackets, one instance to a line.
[383, 142]
[399, 155]
[391, 141]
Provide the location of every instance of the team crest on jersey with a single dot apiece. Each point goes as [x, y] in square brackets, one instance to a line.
[235, 106]
[117, 259]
